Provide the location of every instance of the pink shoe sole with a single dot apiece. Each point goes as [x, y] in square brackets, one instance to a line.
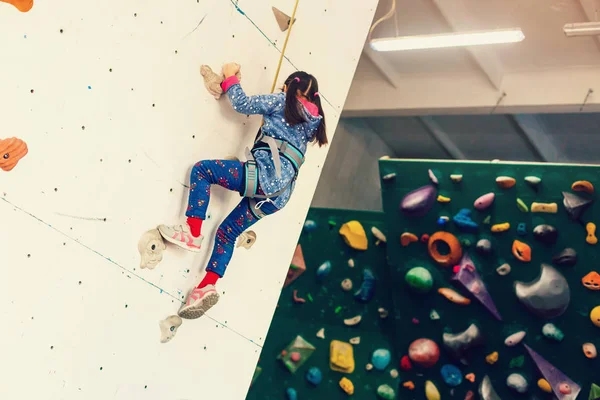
[180, 244]
[199, 307]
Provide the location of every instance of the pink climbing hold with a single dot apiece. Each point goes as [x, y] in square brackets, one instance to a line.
[415, 321]
[564, 388]
[456, 269]
[484, 201]
[295, 356]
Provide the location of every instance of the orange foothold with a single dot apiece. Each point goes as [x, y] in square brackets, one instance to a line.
[591, 238]
[407, 238]
[470, 377]
[521, 251]
[21, 5]
[591, 281]
[506, 182]
[583, 186]
[409, 385]
[492, 358]
[454, 254]
[454, 296]
[11, 151]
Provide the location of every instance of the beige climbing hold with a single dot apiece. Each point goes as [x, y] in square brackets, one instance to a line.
[354, 235]
[456, 178]
[443, 199]
[550, 208]
[355, 340]
[505, 182]
[246, 239]
[379, 235]
[283, 20]
[212, 81]
[394, 373]
[151, 246]
[353, 321]
[544, 385]
[347, 285]
[369, 366]
[351, 263]
[589, 349]
[591, 238]
[321, 333]
[501, 227]
[383, 312]
[168, 327]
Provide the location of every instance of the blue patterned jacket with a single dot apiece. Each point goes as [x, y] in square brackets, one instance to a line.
[272, 107]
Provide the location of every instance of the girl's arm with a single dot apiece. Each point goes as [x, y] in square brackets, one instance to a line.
[261, 104]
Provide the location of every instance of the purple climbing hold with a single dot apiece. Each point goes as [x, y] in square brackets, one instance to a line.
[484, 201]
[418, 202]
[555, 377]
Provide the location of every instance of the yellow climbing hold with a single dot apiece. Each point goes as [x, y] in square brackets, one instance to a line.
[501, 227]
[492, 358]
[354, 235]
[347, 386]
[443, 199]
[595, 316]
[341, 357]
[545, 385]
[432, 392]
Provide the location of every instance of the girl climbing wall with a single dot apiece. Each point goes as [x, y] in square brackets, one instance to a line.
[292, 119]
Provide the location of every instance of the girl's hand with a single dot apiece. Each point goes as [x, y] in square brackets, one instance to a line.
[230, 69]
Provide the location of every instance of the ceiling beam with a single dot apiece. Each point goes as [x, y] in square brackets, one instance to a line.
[456, 15]
[384, 66]
[441, 137]
[532, 129]
[591, 9]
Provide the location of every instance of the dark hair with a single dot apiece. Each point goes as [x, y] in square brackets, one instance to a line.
[294, 115]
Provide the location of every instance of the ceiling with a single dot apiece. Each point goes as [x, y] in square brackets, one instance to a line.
[547, 72]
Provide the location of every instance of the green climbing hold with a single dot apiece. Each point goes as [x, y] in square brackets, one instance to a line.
[419, 279]
[522, 206]
[332, 223]
[487, 220]
[517, 362]
[594, 392]
[309, 296]
[464, 242]
[386, 392]
[338, 309]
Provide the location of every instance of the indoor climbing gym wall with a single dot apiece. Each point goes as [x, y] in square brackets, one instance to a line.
[104, 112]
[495, 274]
[334, 316]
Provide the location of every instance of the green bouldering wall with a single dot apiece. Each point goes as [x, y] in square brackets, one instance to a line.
[480, 178]
[329, 306]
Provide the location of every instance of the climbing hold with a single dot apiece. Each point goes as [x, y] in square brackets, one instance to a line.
[522, 229]
[409, 385]
[464, 222]
[564, 388]
[297, 267]
[418, 202]
[341, 357]
[434, 315]
[432, 177]
[353, 321]
[310, 226]
[383, 312]
[566, 258]
[484, 201]
[545, 233]
[419, 279]
[458, 344]
[379, 235]
[323, 270]
[381, 359]
[503, 227]
[443, 220]
[347, 386]
[487, 220]
[583, 186]
[492, 358]
[299, 345]
[456, 178]
[521, 251]
[367, 288]
[386, 392]
[151, 246]
[443, 199]
[291, 394]
[486, 390]
[514, 339]
[470, 395]
[354, 235]
[550, 331]
[534, 181]
[297, 299]
[595, 316]
[424, 238]
[517, 362]
[314, 376]
[548, 296]
[388, 177]
[554, 376]
[394, 373]
[549, 208]
[594, 392]
[355, 340]
[424, 352]
[451, 375]
[454, 296]
[591, 281]
[484, 247]
[544, 385]
[522, 206]
[369, 367]
[517, 382]
[168, 327]
[246, 240]
[465, 241]
[503, 270]
[321, 333]
[407, 238]
[431, 391]
[283, 20]
[454, 253]
[295, 356]
[405, 364]
[347, 285]
[470, 377]
[589, 349]
[415, 321]
[591, 238]
[505, 182]
[575, 205]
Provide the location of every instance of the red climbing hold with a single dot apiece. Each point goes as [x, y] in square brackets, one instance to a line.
[456, 269]
[405, 364]
[424, 238]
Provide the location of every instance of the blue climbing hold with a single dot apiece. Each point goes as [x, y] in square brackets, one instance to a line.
[323, 270]
[443, 220]
[464, 222]
[451, 375]
[367, 288]
[381, 359]
[314, 376]
[291, 394]
[522, 229]
[310, 226]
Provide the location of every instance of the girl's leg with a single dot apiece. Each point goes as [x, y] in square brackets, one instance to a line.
[203, 297]
[226, 173]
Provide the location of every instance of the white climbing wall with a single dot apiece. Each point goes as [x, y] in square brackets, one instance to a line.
[109, 99]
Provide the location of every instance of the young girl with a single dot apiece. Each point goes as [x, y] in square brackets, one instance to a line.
[292, 118]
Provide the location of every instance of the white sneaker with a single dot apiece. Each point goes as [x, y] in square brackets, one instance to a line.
[199, 301]
[180, 235]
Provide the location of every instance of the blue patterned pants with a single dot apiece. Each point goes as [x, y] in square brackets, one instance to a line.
[230, 175]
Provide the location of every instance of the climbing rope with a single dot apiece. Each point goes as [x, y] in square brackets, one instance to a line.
[287, 36]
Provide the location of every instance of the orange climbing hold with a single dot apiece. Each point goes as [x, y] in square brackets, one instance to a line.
[521, 251]
[21, 5]
[470, 377]
[11, 151]
[407, 238]
[455, 251]
[583, 186]
[591, 281]
[591, 238]
[454, 296]
[409, 385]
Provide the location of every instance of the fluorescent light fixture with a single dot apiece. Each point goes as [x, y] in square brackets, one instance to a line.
[582, 29]
[454, 39]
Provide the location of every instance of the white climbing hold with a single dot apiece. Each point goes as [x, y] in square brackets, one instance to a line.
[355, 340]
[388, 177]
[379, 235]
[351, 263]
[432, 176]
[246, 239]
[503, 270]
[514, 339]
[168, 327]
[384, 157]
[456, 178]
[434, 315]
[151, 247]
[321, 333]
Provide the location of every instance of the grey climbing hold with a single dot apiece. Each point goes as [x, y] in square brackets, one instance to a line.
[503, 270]
[151, 247]
[484, 247]
[486, 390]
[566, 258]
[517, 382]
[548, 296]
[575, 204]
[458, 344]
[514, 339]
[545, 233]
[168, 327]
[550, 331]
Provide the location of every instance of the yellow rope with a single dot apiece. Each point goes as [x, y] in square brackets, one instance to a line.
[287, 36]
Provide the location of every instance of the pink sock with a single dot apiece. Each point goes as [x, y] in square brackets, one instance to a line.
[209, 279]
[195, 226]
